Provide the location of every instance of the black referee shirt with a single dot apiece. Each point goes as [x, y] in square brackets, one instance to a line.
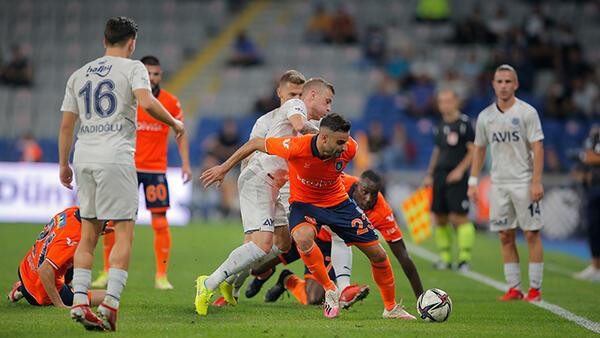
[451, 139]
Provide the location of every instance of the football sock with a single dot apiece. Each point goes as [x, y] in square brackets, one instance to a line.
[341, 259]
[466, 238]
[512, 273]
[162, 243]
[275, 251]
[536, 273]
[296, 286]
[313, 259]
[239, 280]
[82, 278]
[239, 259]
[109, 242]
[384, 277]
[117, 278]
[443, 239]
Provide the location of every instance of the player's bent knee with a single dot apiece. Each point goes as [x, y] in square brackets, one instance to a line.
[304, 236]
[507, 238]
[376, 254]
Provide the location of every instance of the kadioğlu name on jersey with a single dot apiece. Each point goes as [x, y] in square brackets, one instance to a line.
[101, 128]
[506, 136]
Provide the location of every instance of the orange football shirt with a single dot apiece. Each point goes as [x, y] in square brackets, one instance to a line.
[153, 135]
[312, 179]
[381, 215]
[56, 245]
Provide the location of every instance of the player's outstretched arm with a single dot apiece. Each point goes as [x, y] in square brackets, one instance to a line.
[46, 273]
[65, 141]
[408, 266]
[150, 104]
[217, 173]
[478, 158]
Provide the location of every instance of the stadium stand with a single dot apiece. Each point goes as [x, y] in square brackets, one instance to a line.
[176, 30]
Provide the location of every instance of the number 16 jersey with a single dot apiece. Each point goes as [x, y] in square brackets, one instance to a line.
[101, 93]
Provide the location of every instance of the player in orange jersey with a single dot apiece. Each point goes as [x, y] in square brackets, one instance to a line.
[151, 166]
[365, 191]
[318, 197]
[46, 271]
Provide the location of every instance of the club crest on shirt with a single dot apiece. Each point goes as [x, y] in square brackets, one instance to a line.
[515, 121]
[452, 138]
[339, 165]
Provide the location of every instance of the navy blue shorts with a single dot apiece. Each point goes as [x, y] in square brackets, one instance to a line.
[346, 219]
[293, 255]
[65, 293]
[156, 190]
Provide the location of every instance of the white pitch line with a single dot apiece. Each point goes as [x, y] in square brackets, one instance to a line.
[557, 310]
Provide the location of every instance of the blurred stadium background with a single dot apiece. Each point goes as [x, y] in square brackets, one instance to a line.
[386, 59]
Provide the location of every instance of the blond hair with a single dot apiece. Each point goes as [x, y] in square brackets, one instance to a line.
[292, 76]
[318, 82]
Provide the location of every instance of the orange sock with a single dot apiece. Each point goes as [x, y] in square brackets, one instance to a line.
[313, 259]
[162, 243]
[296, 285]
[384, 277]
[109, 242]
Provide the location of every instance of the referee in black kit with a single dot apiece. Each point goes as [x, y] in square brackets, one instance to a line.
[448, 171]
[591, 180]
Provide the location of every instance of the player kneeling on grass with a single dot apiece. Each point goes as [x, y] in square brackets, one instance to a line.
[46, 271]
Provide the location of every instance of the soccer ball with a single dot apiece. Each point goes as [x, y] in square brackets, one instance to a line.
[434, 305]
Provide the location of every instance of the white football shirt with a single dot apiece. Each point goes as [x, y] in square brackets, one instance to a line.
[509, 135]
[278, 124]
[101, 92]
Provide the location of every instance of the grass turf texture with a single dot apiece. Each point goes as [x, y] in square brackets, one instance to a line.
[200, 248]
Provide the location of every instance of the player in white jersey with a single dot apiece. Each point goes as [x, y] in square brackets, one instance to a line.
[260, 201]
[103, 95]
[289, 87]
[513, 131]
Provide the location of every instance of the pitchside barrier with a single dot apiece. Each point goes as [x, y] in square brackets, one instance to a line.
[32, 193]
[562, 206]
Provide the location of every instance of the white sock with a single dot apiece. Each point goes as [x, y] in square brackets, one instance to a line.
[239, 281]
[117, 278]
[239, 259]
[341, 258]
[512, 273]
[275, 251]
[536, 273]
[82, 278]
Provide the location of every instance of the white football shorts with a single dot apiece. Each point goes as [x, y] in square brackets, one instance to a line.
[511, 206]
[260, 203]
[107, 191]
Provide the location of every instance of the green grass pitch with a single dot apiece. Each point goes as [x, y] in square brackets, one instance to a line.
[199, 248]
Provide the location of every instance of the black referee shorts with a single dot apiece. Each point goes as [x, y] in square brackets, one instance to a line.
[449, 197]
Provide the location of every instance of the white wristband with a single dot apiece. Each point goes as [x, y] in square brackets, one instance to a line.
[473, 181]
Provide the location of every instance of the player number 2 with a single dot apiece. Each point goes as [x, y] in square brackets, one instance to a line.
[534, 208]
[105, 100]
